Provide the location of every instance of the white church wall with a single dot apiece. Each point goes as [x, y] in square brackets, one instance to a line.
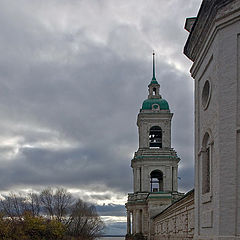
[238, 182]
[206, 117]
[216, 58]
[238, 135]
[227, 77]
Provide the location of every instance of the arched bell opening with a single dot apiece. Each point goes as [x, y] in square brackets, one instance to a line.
[156, 181]
[155, 137]
[154, 91]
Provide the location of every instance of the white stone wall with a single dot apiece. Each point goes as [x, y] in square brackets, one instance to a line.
[238, 183]
[142, 169]
[217, 212]
[146, 120]
[177, 221]
[148, 163]
[238, 138]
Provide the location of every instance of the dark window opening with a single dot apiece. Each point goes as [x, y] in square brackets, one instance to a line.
[155, 137]
[156, 181]
[206, 158]
[206, 94]
[154, 91]
[206, 171]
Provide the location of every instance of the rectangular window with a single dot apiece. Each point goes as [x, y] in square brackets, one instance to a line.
[206, 171]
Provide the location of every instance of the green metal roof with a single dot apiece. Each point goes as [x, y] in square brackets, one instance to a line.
[147, 104]
[154, 81]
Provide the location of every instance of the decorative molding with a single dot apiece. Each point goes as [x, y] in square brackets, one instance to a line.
[207, 219]
[207, 197]
[202, 26]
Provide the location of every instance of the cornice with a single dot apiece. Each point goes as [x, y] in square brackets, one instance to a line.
[202, 26]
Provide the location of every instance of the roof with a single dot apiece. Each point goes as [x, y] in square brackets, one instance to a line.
[154, 81]
[148, 104]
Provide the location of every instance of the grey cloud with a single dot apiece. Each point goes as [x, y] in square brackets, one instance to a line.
[73, 168]
[111, 210]
[64, 85]
[186, 179]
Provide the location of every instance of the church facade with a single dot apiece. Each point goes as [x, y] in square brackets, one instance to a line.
[212, 210]
[214, 47]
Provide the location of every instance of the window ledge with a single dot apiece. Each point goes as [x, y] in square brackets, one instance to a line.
[206, 197]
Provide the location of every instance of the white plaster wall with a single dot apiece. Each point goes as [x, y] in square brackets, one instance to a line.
[217, 213]
[238, 137]
[147, 120]
[147, 166]
[238, 184]
[208, 122]
[227, 80]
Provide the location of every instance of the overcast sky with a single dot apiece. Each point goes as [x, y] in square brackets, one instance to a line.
[73, 76]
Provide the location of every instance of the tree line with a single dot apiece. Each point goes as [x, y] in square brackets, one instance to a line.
[48, 215]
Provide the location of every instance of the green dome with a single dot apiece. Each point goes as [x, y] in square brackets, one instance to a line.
[154, 81]
[147, 104]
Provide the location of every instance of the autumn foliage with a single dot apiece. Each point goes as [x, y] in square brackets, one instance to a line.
[50, 215]
[30, 227]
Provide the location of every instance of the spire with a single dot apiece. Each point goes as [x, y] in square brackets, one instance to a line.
[154, 81]
[153, 87]
[153, 78]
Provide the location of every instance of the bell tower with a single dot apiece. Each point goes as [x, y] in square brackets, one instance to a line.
[155, 164]
[155, 152]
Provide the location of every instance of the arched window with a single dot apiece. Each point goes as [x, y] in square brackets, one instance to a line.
[154, 91]
[155, 137]
[206, 158]
[156, 181]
